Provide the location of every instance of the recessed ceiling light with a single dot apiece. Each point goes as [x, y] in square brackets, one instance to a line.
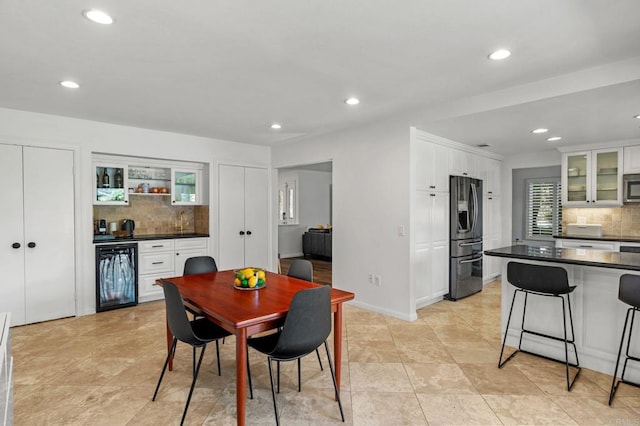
[98, 16]
[276, 126]
[352, 101]
[69, 84]
[554, 138]
[636, 116]
[500, 54]
[540, 130]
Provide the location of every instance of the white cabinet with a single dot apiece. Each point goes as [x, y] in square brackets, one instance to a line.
[163, 259]
[592, 178]
[463, 163]
[432, 167]
[632, 159]
[111, 184]
[186, 186]
[243, 225]
[588, 244]
[489, 170]
[37, 252]
[492, 235]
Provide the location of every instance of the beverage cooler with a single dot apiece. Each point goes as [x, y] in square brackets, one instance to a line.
[116, 276]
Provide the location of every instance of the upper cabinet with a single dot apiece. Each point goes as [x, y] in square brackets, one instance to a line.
[489, 171]
[632, 159]
[592, 178]
[111, 184]
[186, 186]
[432, 167]
[463, 163]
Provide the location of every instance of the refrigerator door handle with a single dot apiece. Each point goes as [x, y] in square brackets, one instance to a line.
[475, 259]
[474, 243]
[474, 198]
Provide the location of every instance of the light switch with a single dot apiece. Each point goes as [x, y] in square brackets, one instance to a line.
[401, 230]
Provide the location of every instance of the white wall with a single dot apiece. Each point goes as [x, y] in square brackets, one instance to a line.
[370, 201]
[313, 208]
[85, 137]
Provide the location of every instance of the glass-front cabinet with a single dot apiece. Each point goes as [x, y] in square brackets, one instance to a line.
[592, 178]
[111, 184]
[186, 187]
[153, 181]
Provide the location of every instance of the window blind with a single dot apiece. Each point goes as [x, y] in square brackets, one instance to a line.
[544, 209]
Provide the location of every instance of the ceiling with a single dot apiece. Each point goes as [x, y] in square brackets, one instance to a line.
[228, 69]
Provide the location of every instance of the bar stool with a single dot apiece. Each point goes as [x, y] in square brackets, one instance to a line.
[548, 281]
[629, 293]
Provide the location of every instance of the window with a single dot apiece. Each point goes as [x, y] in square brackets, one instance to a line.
[287, 202]
[544, 209]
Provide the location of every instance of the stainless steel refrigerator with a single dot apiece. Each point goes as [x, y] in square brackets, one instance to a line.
[465, 231]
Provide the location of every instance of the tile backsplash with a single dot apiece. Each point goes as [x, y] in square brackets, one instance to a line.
[156, 215]
[616, 221]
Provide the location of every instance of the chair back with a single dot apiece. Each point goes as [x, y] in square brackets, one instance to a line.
[301, 269]
[538, 278]
[177, 316]
[200, 265]
[629, 290]
[308, 323]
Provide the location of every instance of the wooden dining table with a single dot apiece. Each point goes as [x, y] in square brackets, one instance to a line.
[247, 312]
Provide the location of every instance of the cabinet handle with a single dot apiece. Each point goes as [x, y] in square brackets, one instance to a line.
[158, 246]
[241, 232]
[432, 187]
[31, 244]
[491, 198]
[157, 263]
[15, 245]
[433, 195]
[465, 174]
[248, 232]
[177, 254]
[489, 192]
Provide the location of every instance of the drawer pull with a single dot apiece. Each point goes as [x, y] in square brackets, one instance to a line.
[157, 246]
[157, 263]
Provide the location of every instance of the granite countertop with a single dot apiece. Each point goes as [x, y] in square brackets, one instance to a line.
[603, 238]
[146, 237]
[598, 258]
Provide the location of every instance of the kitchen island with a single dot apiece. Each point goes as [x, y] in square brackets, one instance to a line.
[598, 315]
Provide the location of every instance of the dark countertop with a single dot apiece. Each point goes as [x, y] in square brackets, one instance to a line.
[598, 258]
[147, 237]
[603, 238]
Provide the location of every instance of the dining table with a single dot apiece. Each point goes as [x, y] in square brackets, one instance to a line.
[245, 312]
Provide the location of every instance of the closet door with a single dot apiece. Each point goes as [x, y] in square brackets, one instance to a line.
[256, 217]
[48, 234]
[11, 234]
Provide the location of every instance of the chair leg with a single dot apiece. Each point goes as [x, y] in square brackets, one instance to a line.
[614, 385]
[193, 383]
[172, 350]
[218, 357]
[249, 375]
[299, 376]
[273, 393]
[524, 315]
[333, 377]
[278, 364]
[319, 360]
[504, 340]
[567, 342]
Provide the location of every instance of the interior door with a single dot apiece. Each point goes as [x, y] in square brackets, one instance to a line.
[49, 228]
[231, 195]
[256, 217]
[11, 234]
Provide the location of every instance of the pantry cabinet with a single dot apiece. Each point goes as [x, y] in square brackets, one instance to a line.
[243, 225]
[592, 178]
[37, 252]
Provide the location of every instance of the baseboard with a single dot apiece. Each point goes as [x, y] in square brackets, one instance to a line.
[395, 314]
[289, 255]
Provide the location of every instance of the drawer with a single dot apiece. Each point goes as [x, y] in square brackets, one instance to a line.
[155, 246]
[154, 263]
[190, 243]
[147, 285]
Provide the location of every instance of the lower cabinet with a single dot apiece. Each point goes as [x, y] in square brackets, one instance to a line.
[164, 259]
[317, 243]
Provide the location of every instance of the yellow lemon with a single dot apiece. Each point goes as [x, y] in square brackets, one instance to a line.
[253, 281]
[248, 272]
[261, 275]
[237, 282]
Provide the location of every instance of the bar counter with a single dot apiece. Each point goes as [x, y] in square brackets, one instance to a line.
[598, 315]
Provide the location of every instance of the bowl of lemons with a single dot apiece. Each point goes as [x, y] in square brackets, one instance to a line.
[249, 278]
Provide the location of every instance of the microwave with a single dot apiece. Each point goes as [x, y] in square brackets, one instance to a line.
[631, 185]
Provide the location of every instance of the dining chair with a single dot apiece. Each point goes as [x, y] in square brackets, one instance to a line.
[197, 333]
[306, 327]
[301, 269]
[199, 265]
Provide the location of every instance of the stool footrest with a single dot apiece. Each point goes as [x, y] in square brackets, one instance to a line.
[559, 339]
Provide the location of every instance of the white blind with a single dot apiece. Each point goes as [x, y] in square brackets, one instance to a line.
[544, 209]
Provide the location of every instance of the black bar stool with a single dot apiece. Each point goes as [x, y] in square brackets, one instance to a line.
[629, 293]
[548, 281]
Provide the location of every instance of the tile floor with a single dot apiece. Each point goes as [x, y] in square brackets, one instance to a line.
[439, 370]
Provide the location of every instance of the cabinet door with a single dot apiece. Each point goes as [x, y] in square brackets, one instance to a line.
[231, 222]
[11, 232]
[631, 159]
[607, 177]
[462, 163]
[256, 217]
[111, 184]
[432, 167]
[576, 178]
[185, 188]
[49, 224]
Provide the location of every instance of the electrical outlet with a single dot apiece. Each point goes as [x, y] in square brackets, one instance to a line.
[377, 280]
[370, 278]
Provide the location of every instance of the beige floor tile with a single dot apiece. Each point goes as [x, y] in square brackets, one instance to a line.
[457, 410]
[379, 377]
[527, 410]
[373, 351]
[596, 411]
[386, 408]
[473, 353]
[424, 352]
[412, 333]
[439, 378]
[508, 380]
[359, 332]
